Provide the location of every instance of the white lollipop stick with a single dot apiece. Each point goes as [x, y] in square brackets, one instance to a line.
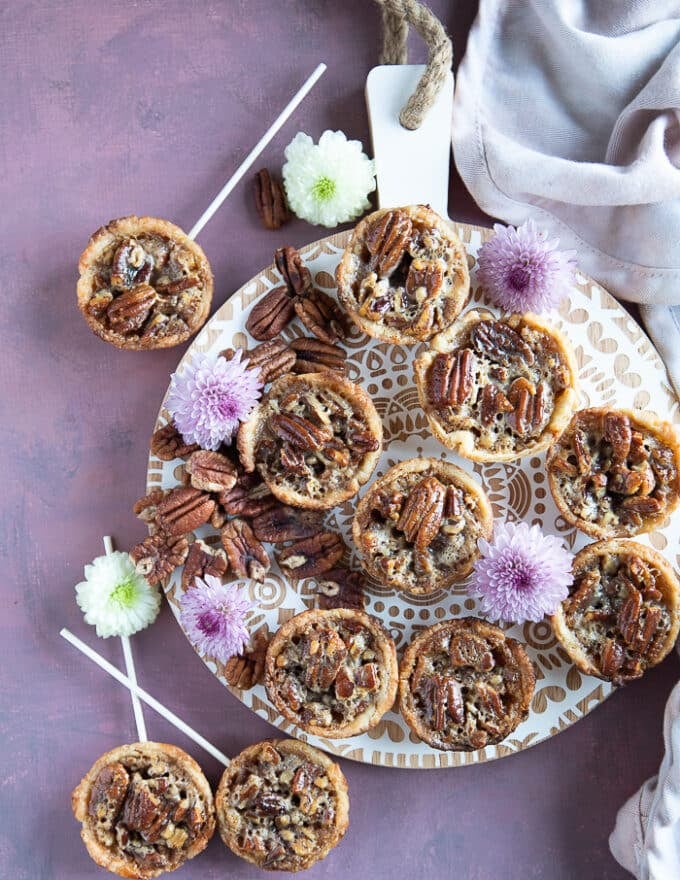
[130, 668]
[257, 149]
[135, 690]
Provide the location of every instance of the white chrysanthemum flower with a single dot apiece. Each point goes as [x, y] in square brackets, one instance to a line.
[115, 598]
[327, 183]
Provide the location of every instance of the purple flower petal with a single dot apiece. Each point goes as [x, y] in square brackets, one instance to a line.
[213, 617]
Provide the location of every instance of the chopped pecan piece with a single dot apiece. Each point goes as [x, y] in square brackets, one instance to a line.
[312, 556]
[585, 588]
[341, 588]
[108, 794]
[131, 265]
[611, 658]
[500, 342]
[622, 481]
[273, 359]
[344, 684]
[300, 432]
[489, 701]
[128, 312]
[316, 356]
[492, 402]
[640, 573]
[584, 459]
[283, 523]
[211, 471]
[158, 556]
[424, 279]
[270, 314]
[184, 509]
[246, 670]
[326, 652]
[167, 444]
[617, 432]
[270, 200]
[146, 508]
[99, 303]
[387, 241]
[202, 560]
[296, 276]
[247, 557]
[367, 677]
[467, 649]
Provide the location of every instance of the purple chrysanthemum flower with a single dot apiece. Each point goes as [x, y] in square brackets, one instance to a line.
[213, 617]
[523, 574]
[521, 269]
[211, 397]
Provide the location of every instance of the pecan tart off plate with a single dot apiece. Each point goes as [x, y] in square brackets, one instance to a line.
[464, 685]
[314, 438]
[417, 527]
[622, 615]
[282, 805]
[145, 809]
[333, 673]
[615, 473]
[496, 389]
[404, 275]
[144, 284]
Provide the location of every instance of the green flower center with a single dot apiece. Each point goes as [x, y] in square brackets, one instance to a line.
[324, 189]
[125, 594]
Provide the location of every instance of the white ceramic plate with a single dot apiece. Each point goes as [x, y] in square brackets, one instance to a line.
[617, 366]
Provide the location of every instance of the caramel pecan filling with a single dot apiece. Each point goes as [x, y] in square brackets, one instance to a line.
[279, 808]
[618, 615]
[313, 442]
[147, 287]
[463, 689]
[500, 384]
[403, 278]
[418, 528]
[329, 674]
[610, 473]
[146, 811]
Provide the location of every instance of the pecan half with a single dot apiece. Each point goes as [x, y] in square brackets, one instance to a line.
[451, 378]
[624, 482]
[500, 342]
[211, 471]
[247, 669]
[270, 200]
[270, 314]
[249, 497]
[296, 276]
[529, 406]
[321, 315]
[611, 658]
[167, 444]
[367, 677]
[492, 401]
[424, 279]
[99, 303]
[183, 510]
[617, 432]
[422, 511]
[299, 432]
[341, 588]
[283, 523]
[629, 616]
[312, 556]
[647, 630]
[584, 459]
[131, 265]
[247, 557]
[109, 790]
[325, 652]
[157, 556]
[316, 356]
[453, 503]
[202, 560]
[272, 358]
[387, 241]
[128, 312]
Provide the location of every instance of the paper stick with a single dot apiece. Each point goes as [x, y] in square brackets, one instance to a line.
[130, 667]
[143, 695]
[257, 149]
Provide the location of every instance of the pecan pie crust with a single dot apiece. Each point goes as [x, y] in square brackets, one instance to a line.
[403, 276]
[615, 473]
[496, 389]
[282, 805]
[144, 284]
[622, 615]
[314, 438]
[464, 685]
[145, 809]
[417, 527]
[333, 673]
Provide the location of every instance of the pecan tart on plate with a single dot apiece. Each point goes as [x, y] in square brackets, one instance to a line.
[417, 527]
[282, 805]
[615, 473]
[144, 284]
[495, 389]
[403, 276]
[314, 438]
[622, 614]
[145, 809]
[333, 673]
[464, 685]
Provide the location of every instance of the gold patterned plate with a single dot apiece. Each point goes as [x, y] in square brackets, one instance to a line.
[617, 366]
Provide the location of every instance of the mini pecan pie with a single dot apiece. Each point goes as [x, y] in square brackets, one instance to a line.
[417, 527]
[333, 673]
[145, 809]
[282, 805]
[314, 438]
[615, 472]
[144, 283]
[463, 684]
[404, 275]
[621, 616]
[497, 389]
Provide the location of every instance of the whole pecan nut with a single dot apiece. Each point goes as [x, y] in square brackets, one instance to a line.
[202, 560]
[296, 276]
[341, 588]
[183, 510]
[321, 315]
[270, 314]
[387, 241]
[247, 557]
[157, 556]
[500, 342]
[270, 200]
[167, 444]
[272, 358]
[128, 312]
[312, 556]
[211, 471]
[283, 523]
[316, 356]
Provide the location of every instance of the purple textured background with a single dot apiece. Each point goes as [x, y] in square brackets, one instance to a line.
[112, 108]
